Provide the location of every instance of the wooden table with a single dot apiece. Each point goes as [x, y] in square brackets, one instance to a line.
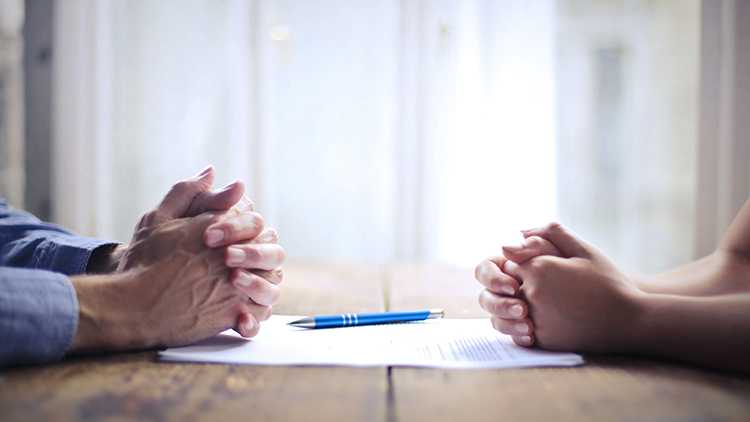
[135, 386]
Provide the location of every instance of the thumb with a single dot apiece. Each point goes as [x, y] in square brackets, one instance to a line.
[177, 201]
[566, 241]
[221, 200]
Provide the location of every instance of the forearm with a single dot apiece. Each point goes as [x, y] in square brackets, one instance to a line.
[107, 314]
[720, 273]
[710, 331]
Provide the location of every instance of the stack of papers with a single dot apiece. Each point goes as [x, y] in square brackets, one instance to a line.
[436, 343]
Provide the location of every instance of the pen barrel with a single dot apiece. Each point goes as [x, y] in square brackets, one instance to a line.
[347, 320]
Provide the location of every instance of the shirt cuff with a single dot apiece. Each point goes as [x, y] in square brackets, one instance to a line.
[38, 315]
[70, 257]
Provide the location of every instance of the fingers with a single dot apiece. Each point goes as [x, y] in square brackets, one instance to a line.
[268, 235]
[274, 276]
[513, 327]
[260, 288]
[567, 242]
[530, 247]
[230, 196]
[521, 330]
[509, 316]
[247, 325]
[255, 287]
[503, 306]
[511, 269]
[490, 275]
[241, 227]
[183, 193]
[263, 256]
[248, 322]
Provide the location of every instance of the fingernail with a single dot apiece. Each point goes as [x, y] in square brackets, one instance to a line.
[526, 339]
[229, 186]
[249, 325]
[204, 171]
[244, 279]
[214, 236]
[516, 310]
[235, 256]
[522, 327]
[508, 290]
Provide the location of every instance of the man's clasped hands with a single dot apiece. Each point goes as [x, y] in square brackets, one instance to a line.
[202, 261]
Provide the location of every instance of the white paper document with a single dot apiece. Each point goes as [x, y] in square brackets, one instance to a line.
[437, 343]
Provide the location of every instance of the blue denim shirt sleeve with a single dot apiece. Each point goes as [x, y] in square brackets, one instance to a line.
[26, 242]
[38, 304]
[38, 315]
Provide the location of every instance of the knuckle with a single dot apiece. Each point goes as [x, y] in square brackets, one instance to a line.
[480, 301]
[501, 325]
[485, 302]
[496, 282]
[271, 235]
[275, 295]
[539, 268]
[489, 302]
[267, 312]
[531, 293]
[149, 218]
[480, 269]
[256, 220]
[486, 271]
[281, 254]
[554, 225]
[205, 219]
[499, 307]
[182, 185]
[534, 241]
[231, 227]
[246, 204]
[253, 254]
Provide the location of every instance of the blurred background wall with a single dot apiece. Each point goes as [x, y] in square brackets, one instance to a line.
[12, 141]
[388, 130]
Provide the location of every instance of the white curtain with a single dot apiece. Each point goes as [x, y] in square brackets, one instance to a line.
[387, 130]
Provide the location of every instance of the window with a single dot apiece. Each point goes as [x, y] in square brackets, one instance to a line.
[391, 130]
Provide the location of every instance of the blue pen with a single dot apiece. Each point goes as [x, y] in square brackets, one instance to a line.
[349, 320]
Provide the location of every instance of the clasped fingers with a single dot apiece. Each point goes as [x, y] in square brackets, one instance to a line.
[274, 276]
[248, 322]
[502, 306]
[521, 331]
[260, 256]
[268, 235]
[490, 275]
[241, 227]
[255, 287]
[509, 316]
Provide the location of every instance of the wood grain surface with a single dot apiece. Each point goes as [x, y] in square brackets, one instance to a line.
[606, 388]
[136, 386]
